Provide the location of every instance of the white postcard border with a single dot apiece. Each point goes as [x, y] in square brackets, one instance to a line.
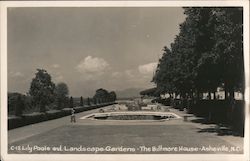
[121, 157]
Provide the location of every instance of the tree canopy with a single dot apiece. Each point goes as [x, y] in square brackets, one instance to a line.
[61, 92]
[42, 89]
[206, 54]
[102, 95]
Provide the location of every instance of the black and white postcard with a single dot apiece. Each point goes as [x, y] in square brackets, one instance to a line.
[125, 80]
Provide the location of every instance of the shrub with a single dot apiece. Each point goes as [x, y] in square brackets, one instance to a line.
[19, 106]
[71, 102]
[42, 89]
[81, 101]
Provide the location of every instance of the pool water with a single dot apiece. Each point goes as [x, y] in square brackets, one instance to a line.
[132, 116]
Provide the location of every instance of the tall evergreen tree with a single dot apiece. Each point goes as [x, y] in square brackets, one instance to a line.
[61, 92]
[81, 101]
[71, 102]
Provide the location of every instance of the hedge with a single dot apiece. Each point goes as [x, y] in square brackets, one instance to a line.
[27, 119]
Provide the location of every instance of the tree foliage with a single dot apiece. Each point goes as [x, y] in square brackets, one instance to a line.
[42, 89]
[71, 102]
[61, 92]
[102, 96]
[112, 96]
[19, 106]
[88, 101]
[81, 101]
[206, 54]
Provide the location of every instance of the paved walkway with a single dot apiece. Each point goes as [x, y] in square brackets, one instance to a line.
[100, 133]
[34, 129]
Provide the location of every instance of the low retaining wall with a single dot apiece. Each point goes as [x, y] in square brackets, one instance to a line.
[27, 119]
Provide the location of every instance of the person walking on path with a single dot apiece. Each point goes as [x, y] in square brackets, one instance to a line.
[73, 117]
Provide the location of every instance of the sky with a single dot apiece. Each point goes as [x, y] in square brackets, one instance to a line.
[89, 48]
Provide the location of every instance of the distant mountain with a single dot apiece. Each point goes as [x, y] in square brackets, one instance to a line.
[129, 93]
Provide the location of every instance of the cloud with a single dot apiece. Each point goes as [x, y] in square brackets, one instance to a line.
[16, 74]
[59, 78]
[129, 73]
[55, 65]
[92, 65]
[147, 68]
[116, 74]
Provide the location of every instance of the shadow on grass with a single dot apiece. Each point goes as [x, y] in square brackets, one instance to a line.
[219, 128]
[220, 131]
[202, 121]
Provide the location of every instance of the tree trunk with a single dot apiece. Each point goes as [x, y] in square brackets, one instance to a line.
[193, 94]
[209, 95]
[198, 95]
[226, 91]
[231, 104]
[231, 93]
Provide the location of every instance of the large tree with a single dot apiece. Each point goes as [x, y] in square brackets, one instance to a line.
[205, 67]
[61, 92]
[206, 54]
[112, 96]
[42, 89]
[101, 95]
[229, 44]
[164, 75]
